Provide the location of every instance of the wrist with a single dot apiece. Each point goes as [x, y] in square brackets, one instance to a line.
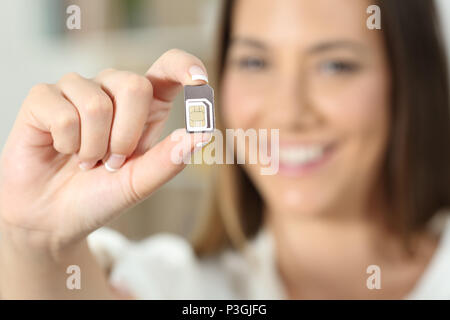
[18, 242]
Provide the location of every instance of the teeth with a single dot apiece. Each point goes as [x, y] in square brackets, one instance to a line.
[301, 155]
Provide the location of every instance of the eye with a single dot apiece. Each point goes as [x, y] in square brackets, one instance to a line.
[337, 67]
[251, 63]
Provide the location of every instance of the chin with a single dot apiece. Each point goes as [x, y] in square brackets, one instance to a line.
[298, 202]
[299, 196]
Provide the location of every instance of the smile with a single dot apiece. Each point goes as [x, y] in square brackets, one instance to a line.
[302, 159]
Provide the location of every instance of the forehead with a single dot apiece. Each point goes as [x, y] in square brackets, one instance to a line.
[299, 22]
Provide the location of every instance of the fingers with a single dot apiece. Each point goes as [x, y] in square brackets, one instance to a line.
[50, 112]
[133, 95]
[116, 115]
[142, 104]
[95, 110]
[174, 69]
[162, 162]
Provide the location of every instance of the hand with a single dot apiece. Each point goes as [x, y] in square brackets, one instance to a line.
[83, 150]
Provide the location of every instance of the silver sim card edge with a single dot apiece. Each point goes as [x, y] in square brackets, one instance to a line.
[199, 108]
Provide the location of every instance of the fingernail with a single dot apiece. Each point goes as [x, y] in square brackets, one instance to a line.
[114, 162]
[201, 144]
[86, 165]
[197, 73]
[206, 138]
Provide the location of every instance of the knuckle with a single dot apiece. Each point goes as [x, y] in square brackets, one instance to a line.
[36, 94]
[40, 89]
[174, 51]
[137, 85]
[67, 121]
[71, 76]
[131, 190]
[65, 147]
[98, 105]
[107, 71]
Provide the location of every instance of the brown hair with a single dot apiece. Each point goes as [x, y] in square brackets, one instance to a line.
[416, 173]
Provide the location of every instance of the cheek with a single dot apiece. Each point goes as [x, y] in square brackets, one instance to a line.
[361, 109]
[239, 108]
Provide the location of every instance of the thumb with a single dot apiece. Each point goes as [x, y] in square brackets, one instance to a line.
[163, 161]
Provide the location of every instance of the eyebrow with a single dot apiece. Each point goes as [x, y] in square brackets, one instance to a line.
[249, 42]
[317, 48]
[336, 44]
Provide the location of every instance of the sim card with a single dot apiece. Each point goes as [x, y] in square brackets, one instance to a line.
[199, 108]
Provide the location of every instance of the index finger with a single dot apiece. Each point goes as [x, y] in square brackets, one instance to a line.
[174, 69]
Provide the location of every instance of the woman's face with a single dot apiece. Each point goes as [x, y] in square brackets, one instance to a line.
[313, 70]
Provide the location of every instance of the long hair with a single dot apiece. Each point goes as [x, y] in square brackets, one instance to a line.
[416, 172]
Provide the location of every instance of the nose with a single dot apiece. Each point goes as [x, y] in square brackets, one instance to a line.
[291, 107]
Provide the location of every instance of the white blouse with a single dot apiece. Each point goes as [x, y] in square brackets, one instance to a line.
[164, 266]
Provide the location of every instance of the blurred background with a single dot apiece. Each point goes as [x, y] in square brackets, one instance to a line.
[36, 46]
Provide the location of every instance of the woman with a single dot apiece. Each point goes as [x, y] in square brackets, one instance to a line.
[371, 106]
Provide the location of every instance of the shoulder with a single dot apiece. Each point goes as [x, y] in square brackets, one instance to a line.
[164, 266]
